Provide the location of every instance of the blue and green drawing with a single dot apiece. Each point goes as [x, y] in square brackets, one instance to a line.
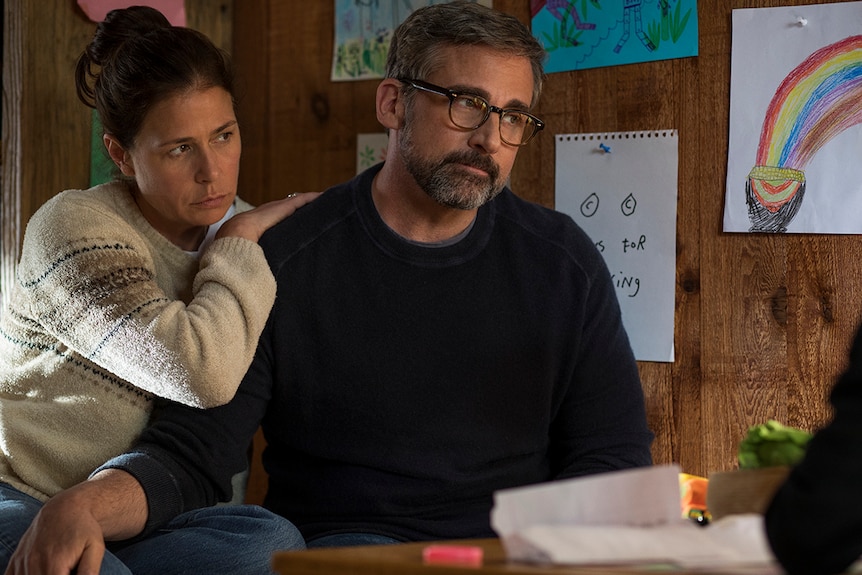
[580, 34]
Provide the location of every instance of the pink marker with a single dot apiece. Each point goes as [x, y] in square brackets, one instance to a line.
[452, 554]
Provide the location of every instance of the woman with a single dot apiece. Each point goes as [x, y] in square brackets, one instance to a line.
[150, 286]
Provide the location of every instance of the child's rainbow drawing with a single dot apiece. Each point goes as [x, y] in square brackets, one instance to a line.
[818, 100]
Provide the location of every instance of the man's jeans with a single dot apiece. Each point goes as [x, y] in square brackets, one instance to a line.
[224, 539]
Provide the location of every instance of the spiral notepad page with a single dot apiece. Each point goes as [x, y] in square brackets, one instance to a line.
[621, 188]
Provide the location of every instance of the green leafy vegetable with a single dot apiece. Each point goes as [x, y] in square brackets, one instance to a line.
[772, 444]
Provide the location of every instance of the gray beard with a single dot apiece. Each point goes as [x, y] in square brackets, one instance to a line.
[444, 180]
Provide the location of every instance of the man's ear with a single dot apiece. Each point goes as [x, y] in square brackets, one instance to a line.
[119, 155]
[390, 104]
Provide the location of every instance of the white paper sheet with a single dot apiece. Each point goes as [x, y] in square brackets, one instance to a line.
[731, 542]
[640, 496]
[621, 188]
[363, 31]
[370, 150]
[623, 517]
[795, 105]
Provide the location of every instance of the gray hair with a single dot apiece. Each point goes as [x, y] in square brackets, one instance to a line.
[416, 44]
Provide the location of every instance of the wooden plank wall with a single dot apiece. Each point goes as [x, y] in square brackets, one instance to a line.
[762, 322]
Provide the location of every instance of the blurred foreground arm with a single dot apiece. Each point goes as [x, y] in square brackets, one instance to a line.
[813, 524]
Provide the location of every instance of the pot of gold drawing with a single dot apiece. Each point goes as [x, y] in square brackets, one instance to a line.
[773, 195]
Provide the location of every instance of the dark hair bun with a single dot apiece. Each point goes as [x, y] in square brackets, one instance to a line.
[136, 59]
[121, 25]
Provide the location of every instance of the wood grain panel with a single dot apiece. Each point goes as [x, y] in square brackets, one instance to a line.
[45, 128]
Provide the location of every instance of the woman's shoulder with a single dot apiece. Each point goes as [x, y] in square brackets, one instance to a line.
[104, 210]
[104, 198]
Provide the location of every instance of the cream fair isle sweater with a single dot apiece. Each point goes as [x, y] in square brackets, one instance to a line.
[105, 315]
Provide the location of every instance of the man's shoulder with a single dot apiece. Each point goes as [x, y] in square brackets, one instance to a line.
[309, 222]
[540, 221]
[546, 237]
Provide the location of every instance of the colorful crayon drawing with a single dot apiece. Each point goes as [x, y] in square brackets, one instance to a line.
[819, 99]
[562, 10]
[370, 149]
[579, 34]
[363, 29]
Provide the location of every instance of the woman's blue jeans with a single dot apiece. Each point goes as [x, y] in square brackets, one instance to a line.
[224, 539]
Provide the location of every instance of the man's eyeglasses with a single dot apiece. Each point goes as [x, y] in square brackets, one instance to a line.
[468, 111]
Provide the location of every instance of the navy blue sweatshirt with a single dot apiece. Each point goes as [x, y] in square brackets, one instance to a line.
[400, 385]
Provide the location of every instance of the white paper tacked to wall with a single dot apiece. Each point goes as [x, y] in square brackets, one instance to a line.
[621, 188]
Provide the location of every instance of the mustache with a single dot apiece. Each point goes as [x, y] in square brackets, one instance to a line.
[474, 160]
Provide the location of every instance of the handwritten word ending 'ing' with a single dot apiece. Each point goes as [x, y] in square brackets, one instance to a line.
[629, 285]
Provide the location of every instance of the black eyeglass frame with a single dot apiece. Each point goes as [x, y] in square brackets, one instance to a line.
[453, 95]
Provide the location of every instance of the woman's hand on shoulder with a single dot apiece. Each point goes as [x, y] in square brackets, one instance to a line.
[253, 223]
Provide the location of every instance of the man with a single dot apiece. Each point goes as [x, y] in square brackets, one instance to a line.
[813, 523]
[434, 339]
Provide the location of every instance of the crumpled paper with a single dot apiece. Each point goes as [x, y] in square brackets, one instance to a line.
[623, 517]
[733, 541]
